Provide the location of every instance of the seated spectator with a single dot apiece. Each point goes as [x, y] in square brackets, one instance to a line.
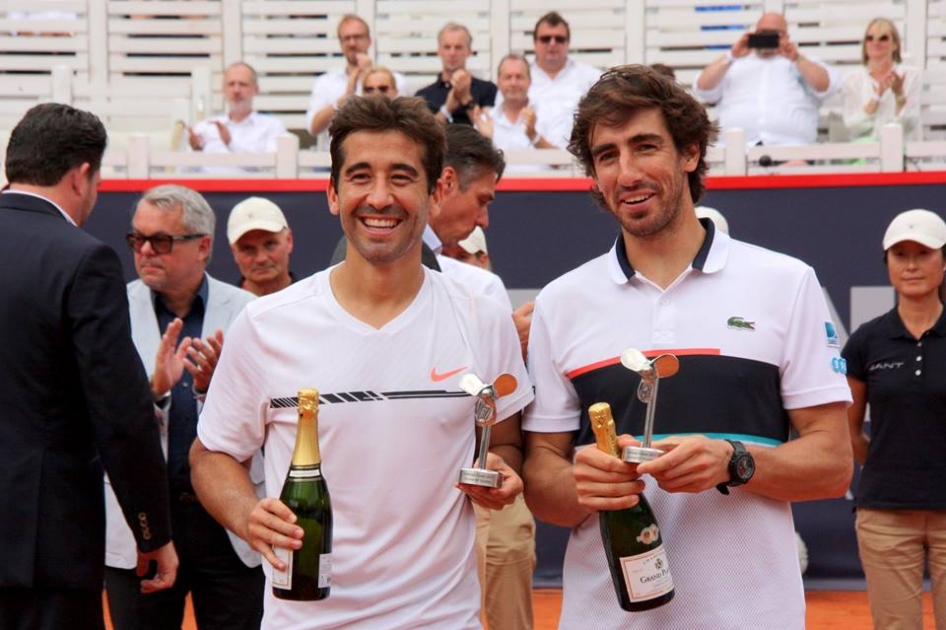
[456, 92]
[513, 125]
[768, 88]
[241, 129]
[332, 88]
[379, 80]
[881, 91]
[558, 81]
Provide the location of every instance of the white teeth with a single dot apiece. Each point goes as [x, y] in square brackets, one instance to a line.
[637, 199]
[380, 223]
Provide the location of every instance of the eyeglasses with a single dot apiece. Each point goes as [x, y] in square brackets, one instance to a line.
[882, 38]
[353, 38]
[559, 39]
[384, 89]
[160, 243]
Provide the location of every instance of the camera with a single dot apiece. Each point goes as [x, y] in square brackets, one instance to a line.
[764, 40]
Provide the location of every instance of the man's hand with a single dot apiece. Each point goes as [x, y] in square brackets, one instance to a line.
[495, 498]
[689, 464]
[741, 47]
[483, 121]
[271, 524]
[202, 359]
[166, 559]
[787, 49]
[169, 360]
[195, 141]
[604, 482]
[459, 93]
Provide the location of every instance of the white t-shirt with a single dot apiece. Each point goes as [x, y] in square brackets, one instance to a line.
[394, 431]
[256, 133]
[769, 99]
[753, 335]
[328, 88]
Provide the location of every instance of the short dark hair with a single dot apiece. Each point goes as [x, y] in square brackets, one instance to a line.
[471, 154]
[405, 114]
[621, 92]
[553, 19]
[51, 140]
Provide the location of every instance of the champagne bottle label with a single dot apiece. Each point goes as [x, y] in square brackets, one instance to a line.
[305, 473]
[283, 579]
[647, 575]
[325, 570]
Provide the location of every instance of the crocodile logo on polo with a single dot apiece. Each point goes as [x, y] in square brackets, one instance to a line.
[740, 323]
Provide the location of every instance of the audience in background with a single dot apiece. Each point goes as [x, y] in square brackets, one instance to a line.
[768, 88]
[332, 88]
[881, 90]
[513, 124]
[241, 129]
[558, 81]
[456, 92]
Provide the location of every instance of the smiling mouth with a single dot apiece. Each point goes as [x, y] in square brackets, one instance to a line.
[377, 223]
[639, 199]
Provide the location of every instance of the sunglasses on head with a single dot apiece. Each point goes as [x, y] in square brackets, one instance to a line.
[882, 38]
[559, 39]
[160, 243]
[384, 89]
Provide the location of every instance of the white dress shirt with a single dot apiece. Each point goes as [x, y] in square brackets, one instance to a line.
[511, 136]
[859, 87]
[770, 100]
[256, 133]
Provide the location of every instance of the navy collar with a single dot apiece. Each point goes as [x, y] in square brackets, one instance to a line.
[699, 262]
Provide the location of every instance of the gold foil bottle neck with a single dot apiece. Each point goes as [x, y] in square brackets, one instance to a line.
[602, 423]
[306, 451]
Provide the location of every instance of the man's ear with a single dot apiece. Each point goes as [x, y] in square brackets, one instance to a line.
[450, 180]
[691, 157]
[332, 198]
[288, 241]
[80, 178]
[436, 198]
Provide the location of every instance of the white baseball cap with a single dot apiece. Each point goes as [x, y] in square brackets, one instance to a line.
[921, 226]
[254, 213]
[475, 242]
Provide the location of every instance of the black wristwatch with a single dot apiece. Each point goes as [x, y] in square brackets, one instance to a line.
[741, 467]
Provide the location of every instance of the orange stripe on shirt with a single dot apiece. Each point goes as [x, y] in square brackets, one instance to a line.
[650, 354]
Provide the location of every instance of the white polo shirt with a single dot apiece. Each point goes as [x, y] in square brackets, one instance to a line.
[753, 335]
[394, 431]
[256, 133]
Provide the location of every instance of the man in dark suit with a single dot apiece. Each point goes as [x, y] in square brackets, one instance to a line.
[74, 398]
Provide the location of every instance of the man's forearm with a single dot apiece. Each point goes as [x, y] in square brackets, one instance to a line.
[224, 487]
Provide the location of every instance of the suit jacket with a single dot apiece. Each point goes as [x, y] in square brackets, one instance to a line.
[74, 398]
[224, 303]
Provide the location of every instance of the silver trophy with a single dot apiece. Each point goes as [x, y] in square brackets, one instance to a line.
[484, 414]
[650, 371]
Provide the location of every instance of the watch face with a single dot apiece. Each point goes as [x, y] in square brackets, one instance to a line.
[745, 467]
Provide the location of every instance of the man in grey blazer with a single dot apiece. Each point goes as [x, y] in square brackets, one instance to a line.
[73, 394]
[178, 318]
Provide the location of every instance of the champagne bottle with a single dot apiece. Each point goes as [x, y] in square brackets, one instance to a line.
[308, 574]
[636, 556]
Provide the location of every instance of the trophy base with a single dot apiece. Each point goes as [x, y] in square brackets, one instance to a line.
[481, 477]
[639, 454]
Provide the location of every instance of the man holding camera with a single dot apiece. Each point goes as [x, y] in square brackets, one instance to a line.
[764, 86]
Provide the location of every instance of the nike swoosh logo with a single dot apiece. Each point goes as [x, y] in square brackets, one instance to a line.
[436, 378]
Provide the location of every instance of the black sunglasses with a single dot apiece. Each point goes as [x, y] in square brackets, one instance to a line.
[882, 38]
[559, 39]
[160, 243]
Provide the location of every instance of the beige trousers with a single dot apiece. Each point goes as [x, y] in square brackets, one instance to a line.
[893, 545]
[505, 558]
